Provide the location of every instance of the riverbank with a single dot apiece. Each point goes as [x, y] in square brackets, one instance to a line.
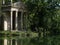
[18, 33]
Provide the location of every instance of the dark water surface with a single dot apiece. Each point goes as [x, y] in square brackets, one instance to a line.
[55, 40]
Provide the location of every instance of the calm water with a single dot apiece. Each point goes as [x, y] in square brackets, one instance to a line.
[55, 40]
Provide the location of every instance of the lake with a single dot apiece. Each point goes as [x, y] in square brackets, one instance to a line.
[17, 40]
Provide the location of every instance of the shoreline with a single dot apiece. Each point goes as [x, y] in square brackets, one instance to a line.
[18, 33]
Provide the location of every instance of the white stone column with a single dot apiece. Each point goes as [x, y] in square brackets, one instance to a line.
[5, 41]
[11, 16]
[5, 25]
[16, 21]
[11, 20]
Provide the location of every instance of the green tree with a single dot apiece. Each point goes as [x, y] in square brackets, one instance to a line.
[42, 15]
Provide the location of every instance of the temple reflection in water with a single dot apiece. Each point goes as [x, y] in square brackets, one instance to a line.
[11, 42]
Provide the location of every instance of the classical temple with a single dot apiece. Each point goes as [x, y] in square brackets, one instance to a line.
[13, 15]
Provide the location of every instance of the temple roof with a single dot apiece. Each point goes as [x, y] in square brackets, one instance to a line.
[18, 5]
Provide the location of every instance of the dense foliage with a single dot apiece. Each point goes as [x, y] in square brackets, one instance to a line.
[43, 16]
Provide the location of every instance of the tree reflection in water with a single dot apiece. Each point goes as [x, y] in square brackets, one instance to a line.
[30, 41]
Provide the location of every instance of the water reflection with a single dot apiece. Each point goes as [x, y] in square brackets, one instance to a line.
[10, 41]
[30, 41]
[5, 41]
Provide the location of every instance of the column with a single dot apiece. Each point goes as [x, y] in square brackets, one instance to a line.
[16, 20]
[11, 19]
[5, 25]
[22, 20]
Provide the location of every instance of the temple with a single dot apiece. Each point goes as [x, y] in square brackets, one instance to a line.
[14, 15]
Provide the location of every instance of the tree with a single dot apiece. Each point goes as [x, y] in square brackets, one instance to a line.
[41, 15]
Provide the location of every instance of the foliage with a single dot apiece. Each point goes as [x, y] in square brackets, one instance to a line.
[42, 15]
